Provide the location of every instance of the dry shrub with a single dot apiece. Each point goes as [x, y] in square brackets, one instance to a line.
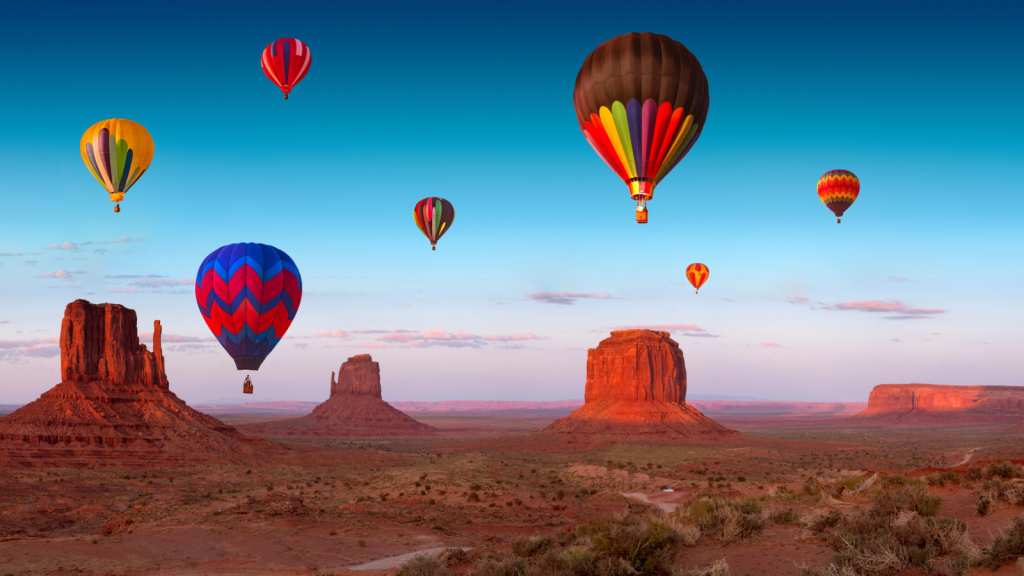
[1006, 546]
[908, 497]
[941, 479]
[723, 519]
[424, 565]
[996, 492]
[689, 535]
[719, 568]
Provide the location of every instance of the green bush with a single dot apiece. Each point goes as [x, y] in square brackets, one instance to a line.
[424, 565]
[1006, 546]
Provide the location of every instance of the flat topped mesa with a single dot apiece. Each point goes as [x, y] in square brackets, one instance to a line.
[636, 390]
[114, 405]
[939, 404]
[359, 375]
[101, 342]
[355, 408]
[636, 365]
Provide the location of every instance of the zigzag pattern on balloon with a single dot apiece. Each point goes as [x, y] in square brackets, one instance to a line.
[641, 144]
[837, 189]
[248, 294]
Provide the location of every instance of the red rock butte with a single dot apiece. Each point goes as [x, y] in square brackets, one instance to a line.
[636, 389]
[937, 405]
[113, 406]
[355, 408]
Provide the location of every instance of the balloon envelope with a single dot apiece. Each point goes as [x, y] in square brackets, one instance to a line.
[286, 62]
[697, 274]
[838, 189]
[248, 294]
[641, 100]
[117, 152]
[434, 216]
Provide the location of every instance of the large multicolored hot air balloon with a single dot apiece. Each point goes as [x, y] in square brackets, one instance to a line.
[697, 274]
[434, 216]
[286, 62]
[117, 152]
[838, 189]
[641, 100]
[248, 294]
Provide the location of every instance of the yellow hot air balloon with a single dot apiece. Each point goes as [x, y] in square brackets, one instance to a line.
[117, 152]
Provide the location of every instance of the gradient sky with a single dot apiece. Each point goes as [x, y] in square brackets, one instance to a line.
[473, 102]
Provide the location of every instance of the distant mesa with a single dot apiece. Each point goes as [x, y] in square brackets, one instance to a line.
[355, 408]
[636, 390]
[942, 405]
[114, 406]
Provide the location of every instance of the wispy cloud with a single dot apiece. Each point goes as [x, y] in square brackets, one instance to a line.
[898, 278]
[798, 300]
[334, 334]
[416, 339]
[899, 309]
[727, 299]
[72, 246]
[14, 350]
[31, 262]
[771, 345]
[120, 290]
[64, 246]
[160, 282]
[175, 338]
[6, 254]
[691, 330]
[58, 274]
[514, 337]
[567, 298]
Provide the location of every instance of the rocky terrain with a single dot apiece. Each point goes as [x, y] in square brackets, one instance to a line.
[636, 389]
[113, 406]
[941, 405]
[355, 408]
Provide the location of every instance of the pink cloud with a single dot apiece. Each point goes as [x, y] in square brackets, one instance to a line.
[58, 274]
[901, 310]
[567, 298]
[514, 337]
[683, 329]
[167, 338]
[12, 350]
[798, 300]
[41, 351]
[126, 290]
[333, 334]
[771, 345]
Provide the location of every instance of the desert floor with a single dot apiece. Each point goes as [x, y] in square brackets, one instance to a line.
[339, 505]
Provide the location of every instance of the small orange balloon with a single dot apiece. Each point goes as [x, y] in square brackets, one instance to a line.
[697, 274]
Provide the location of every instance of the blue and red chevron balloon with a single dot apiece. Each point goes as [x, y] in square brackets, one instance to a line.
[248, 294]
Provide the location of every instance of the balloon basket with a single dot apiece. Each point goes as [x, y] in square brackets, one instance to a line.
[641, 217]
[838, 220]
[246, 388]
[286, 96]
[117, 208]
[432, 247]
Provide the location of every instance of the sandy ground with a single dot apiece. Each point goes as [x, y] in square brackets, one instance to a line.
[362, 505]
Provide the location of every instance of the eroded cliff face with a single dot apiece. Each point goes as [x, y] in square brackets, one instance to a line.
[636, 389]
[355, 408]
[636, 365]
[101, 342]
[935, 404]
[358, 376]
[114, 406]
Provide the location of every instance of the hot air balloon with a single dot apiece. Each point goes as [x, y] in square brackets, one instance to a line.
[248, 294]
[641, 100]
[838, 189]
[697, 274]
[434, 216]
[286, 62]
[117, 152]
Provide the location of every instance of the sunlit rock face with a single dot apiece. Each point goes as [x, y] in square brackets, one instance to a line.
[936, 404]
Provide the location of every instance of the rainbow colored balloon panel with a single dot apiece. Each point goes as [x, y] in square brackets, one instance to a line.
[641, 143]
[697, 274]
[248, 294]
[838, 189]
[434, 216]
[285, 62]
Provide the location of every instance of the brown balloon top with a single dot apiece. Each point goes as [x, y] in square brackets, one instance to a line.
[641, 65]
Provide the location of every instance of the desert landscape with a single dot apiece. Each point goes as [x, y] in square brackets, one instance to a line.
[110, 473]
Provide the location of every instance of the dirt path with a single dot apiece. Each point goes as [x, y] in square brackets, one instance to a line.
[396, 561]
[967, 457]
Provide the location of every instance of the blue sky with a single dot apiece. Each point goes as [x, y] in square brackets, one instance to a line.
[920, 283]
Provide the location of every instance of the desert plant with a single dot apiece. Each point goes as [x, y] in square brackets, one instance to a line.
[424, 565]
[1006, 546]
[719, 568]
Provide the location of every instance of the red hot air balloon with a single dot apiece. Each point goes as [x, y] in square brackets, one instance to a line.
[697, 274]
[286, 62]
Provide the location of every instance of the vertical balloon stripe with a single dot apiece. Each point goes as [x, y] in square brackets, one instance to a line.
[91, 154]
[661, 125]
[102, 144]
[613, 136]
[649, 115]
[621, 123]
[635, 126]
[674, 124]
[121, 149]
[682, 146]
[436, 218]
[602, 140]
[602, 155]
[680, 137]
[302, 71]
[112, 157]
[125, 170]
[287, 53]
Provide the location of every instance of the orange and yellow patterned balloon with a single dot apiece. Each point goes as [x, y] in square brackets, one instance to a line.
[697, 274]
[117, 152]
[838, 189]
